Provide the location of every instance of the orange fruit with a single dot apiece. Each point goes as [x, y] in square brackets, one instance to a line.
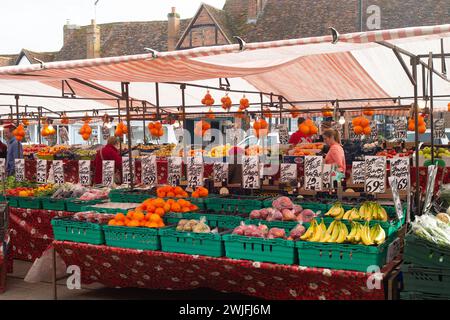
[358, 130]
[170, 194]
[178, 190]
[160, 212]
[133, 223]
[170, 201]
[152, 225]
[161, 224]
[154, 218]
[130, 215]
[185, 209]
[203, 192]
[364, 122]
[161, 194]
[151, 208]
[411, 126]
[166, 207]
[119, 223]
[421, 121]
[139, 216]
[119, 217]
[112, 222]
[422, 129]
[356, 121]
[367, 130]
[304, 129]
[195, 194]
[159, 203]
[176, 207]
[127, 221]
[313, 130]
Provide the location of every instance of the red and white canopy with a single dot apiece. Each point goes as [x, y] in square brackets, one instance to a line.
[355, 66]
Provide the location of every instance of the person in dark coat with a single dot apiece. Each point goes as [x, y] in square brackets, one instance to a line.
[3, 150]
[108, 152]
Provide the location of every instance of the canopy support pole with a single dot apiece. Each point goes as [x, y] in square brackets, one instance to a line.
[414, 64]
[430, 63]
[118, 121]
[183, 107]
[157, 101]
[144, 110]
[16, 97]
[93, 86]
[126, 96]
[39, 124]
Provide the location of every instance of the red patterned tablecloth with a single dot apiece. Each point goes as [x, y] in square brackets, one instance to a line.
[31, 232]
[116, 267]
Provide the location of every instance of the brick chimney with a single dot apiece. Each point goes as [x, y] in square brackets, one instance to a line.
[255, 8]
[92, 40]
[173, 29]
[68, 31]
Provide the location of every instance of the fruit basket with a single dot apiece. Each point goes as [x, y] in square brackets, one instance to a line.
[226, 221]
[424, 253]
[133, 238]
[257, 249]
[432, 281]
[234, 203]
[76, 205]
[54, 204]
[66, 229]
[29, 203]
[207, 244]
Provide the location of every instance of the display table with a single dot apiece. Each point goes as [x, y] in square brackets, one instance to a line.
[31, 231]
[121, 268]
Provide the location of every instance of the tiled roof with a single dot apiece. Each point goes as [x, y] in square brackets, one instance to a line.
[42, 56]
[8, 60]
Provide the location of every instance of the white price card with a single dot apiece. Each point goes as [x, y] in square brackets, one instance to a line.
[220, 172]
[375, 174]
[194, 172]
[288, 172]
[2, 167]
[326, 177]
[174, 170]
[149, 171]
[400, 128]
[58, 171]
[250, 172]
[283, 133]
[126, 171]
[439, 129]
[41, 171]
[108, 172]
[19, 165]
[431, 178]
[313, 172]
[400, 170]
[358, 172]
[395, 195]
[373, 131]
[84, 172]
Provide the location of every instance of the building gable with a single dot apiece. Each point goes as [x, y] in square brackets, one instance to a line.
[205, 29]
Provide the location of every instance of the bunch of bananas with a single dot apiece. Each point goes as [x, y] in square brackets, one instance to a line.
[337, 232]
[368, 211]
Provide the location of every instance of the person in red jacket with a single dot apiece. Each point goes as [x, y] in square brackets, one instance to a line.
[108, 152]
[298, 137]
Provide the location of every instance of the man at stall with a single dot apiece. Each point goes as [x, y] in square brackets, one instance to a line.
[335, 155]
[298, 136]
[108, 152]
[15, 150]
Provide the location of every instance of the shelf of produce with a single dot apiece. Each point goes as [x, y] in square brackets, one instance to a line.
[175, 271]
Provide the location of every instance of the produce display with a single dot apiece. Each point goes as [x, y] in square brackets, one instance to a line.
[226, 103]
[306, 149]
[171, 192]
[29, 150]
[159, 150]
[308, 128]
[392, 153]
[260, 231]
[361, 126]
[42, 191]
[200, 192]
[92, 216]
[19, 132]
[422, 124]
[195, 226]
[94, 194]
[161, 206]
[261, 128]
[244, 103]
[121, 129]
[201, 127]
[438, 153]
[156, 129]
[69, 190]
[367, 211]
[51, 151]
[435, 229]
[283, 209]
[219, 151]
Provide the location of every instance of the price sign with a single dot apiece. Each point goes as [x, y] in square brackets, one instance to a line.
[84, 172]
[149, 171]
[220, 172]
[439, 129]
[250, 172]
[351, 133]
[374, 131]
[283, 133]
[338, 127]
[326, 177]
[106, 132]
[58, 171]
[179, 134]
[358, 172]
[400, 128]
[288, 172]
[2, 167]
[19, 169]
[174, 170]
[400, 170]
[41, 171]
[126, 171]
[313, 172]
[375, 174]
[194, 172]
[432, 172]
[233, 136]
[108, 172]
[393, 250]
[397, 202]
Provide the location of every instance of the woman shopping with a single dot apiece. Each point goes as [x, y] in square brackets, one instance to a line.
[335, 154]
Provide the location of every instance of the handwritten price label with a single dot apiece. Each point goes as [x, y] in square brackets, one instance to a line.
[250, 173]
[2, 167]
[397, 202]
[58, 171]
[400, 128]
[400, 170]
[313, 173]
[174, 170]
[108, 172]
[288, 173]
[283, 133]
[20, 169]
[326, 177]
[194, 171]
[149, 171]
[375, 174]
[358, 172]
[41, 171]
[84, 172]
[220, 172]
[439, 129]
[126, 171]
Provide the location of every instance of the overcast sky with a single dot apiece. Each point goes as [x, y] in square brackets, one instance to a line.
[38, 24]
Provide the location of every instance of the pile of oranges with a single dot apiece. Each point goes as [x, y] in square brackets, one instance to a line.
[361, 126]
[19, 132]
[201, 127]
[422, 125]
[200, 192]
[85, 131]
[244, 103]
[156, 129]
[368, 112]
[121, 129]
[137, 219]
[171, 192]
[308, 128]
[47, 131]
[208, 99]
[160, 206]
[261, 128]
[226, 103]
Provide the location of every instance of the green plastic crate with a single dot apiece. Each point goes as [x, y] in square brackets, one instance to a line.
[133, 196]
[287, 225]
[213, 220]
[257, 249]
[421, 252]
[305, 205]
[234, 203]
[54, 204]
[29, 203]
[77, 231]
[105, 210]
[408, 295]
[13, 201]
[76, 205]
[133, 238]
[341, 256]
[432, 281]
[206, 244]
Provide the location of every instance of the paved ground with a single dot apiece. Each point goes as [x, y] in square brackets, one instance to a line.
[18, 289]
